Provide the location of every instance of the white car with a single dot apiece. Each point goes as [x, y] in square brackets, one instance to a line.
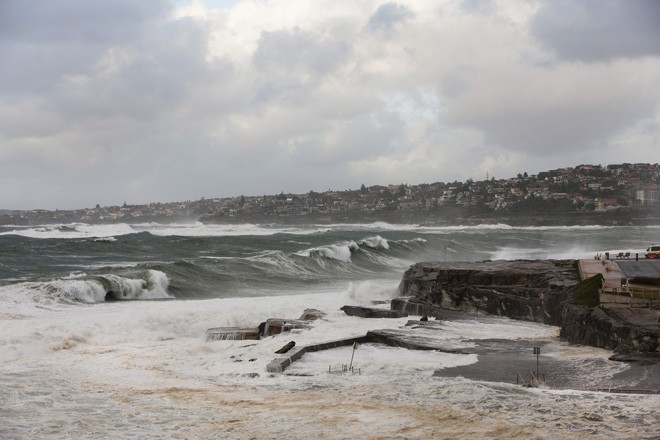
[653, 251]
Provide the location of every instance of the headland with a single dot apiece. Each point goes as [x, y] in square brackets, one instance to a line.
[555, 292]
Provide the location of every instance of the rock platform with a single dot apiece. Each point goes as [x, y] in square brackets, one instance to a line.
[532, 290]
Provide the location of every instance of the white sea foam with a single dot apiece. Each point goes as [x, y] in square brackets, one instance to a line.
[149, 360]
[376, 242]
[106, 240]
[74, 231]
[203, 230]
[571, 252]
[109, 232]
[343, 251]
[142, 369]
[340, 251]
[364, 292]
[198, 229]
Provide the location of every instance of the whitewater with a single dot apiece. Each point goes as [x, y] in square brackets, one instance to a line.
[102, 335]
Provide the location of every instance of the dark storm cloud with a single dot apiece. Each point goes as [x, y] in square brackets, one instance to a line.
[599, 30]
[111, 101]
[153, 76]
[547, 111]
[360, 138]
[387, 16]
[291, 63]
[62, 21]
[43, 41]
[101, 98]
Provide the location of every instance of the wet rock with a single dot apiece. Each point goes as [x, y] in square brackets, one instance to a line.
[527, 290]
[433, 325]
[311, 315]
[410, 340]
[367, 312]
[415, 306]
[539, 290]
[632, 338]
[275, 326]
[286, 348]
[231, 333]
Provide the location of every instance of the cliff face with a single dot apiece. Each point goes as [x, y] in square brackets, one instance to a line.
[629, 333]
[528, 290]
[538, 291]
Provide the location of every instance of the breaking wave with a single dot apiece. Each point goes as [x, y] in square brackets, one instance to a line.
[218, 276]
[149, 261]
[107, 231]
[146, 285]
[197, 229]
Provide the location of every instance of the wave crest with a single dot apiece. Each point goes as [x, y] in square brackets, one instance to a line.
[339, 251]
[149, 284]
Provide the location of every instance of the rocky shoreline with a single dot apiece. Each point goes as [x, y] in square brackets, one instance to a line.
[539, 291]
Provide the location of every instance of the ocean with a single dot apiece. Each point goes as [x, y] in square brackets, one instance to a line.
[102, 335]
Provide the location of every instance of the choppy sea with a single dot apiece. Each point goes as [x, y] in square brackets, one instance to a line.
[102, 335]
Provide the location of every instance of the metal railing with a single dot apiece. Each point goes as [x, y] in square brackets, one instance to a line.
[644, 293]
[634, 292]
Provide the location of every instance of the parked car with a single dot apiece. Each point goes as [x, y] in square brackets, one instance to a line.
[653, 251]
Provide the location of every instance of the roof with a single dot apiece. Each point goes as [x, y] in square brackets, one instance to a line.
[648, 269]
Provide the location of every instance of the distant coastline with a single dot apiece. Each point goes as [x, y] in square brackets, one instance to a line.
[454, 217]
[624, 194]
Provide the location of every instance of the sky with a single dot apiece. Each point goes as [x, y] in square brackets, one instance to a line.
[154, 100]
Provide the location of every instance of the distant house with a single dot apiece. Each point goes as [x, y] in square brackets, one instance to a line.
[648, 196]
[606, 203]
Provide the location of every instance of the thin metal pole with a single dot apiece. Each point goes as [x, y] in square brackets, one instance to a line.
[354, 347]
[537, 352]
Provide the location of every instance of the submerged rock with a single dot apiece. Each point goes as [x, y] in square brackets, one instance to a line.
[231, 333]
[311, 315]
[367, 312]
[411, 340]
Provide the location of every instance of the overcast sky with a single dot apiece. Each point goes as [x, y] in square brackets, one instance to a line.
[155, 100]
